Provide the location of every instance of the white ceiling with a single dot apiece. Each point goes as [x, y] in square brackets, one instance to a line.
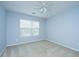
[32, 7]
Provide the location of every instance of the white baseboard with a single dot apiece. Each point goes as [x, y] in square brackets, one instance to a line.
[24, 42]
[59, 43]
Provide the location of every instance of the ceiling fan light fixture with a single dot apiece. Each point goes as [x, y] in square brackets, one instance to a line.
[43, 10]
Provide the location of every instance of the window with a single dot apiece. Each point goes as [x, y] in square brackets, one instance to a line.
[35, 28]
[29, 28]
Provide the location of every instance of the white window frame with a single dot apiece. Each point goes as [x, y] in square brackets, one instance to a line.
[31, 33]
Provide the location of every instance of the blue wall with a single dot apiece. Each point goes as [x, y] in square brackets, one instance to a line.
[64, 28]
[13, 37]
[2, 30]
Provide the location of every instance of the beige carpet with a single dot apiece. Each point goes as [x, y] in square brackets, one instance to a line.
[39, 49]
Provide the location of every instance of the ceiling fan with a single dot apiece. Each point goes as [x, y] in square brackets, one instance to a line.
[43, 7]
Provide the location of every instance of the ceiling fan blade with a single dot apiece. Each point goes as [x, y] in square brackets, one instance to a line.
[43, 3]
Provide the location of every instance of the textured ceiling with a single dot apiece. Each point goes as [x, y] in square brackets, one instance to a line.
[32, 7]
